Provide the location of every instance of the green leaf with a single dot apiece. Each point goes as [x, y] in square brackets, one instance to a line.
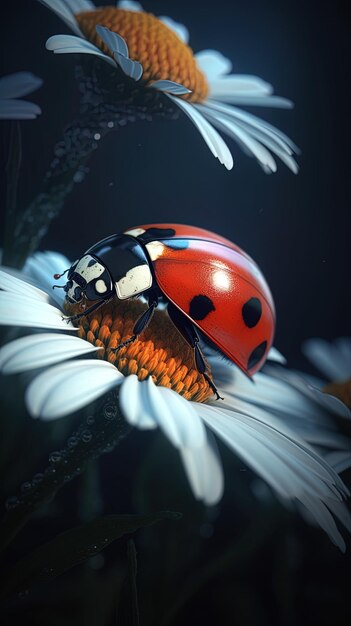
[76, 546]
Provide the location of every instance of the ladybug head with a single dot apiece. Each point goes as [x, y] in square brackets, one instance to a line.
[88, 279]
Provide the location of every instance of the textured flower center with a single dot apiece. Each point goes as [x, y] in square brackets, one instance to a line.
[160, 51]
[340, 390]
[160, 351]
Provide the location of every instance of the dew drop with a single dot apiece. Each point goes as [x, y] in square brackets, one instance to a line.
[90, 420]
[72, 441]
[11, 503]
[79, 177]
[86, 436]
[38, 478]
[110, 412]
[25, 487]
[55, 457]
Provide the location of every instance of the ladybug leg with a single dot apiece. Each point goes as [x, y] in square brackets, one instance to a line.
[187, 329]
[90, 309]
[140, 325]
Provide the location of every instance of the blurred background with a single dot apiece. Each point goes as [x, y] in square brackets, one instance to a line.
[278, 569]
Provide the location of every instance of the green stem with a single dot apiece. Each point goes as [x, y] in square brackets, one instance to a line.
[98, 434]
[108, 101]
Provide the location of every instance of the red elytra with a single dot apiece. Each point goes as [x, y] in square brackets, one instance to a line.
[217, 286]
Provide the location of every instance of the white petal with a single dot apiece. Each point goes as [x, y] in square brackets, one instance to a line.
[275, 355]
[12, 284]
[340, 460]
[18, 310]
[132, 69]
[254, 122]
[333, 359]
[239, 85]
[119, 47]
[18, 110]
[129, 5]
[273, 458]
[41, 350]
[234, 131]
[115, 42]
[339, 509]
[77, 6]
[65, 12]
[213, 64]
[297, 381]
[324, 518]
[204, 470]
[41, 267]
[170, 86]
[298, 416]
[276, 102]
[69, 44]
[144, 405]
[135, 405]
[18, 84]
[303, 464]
[271, 144]
[214, 141]
[65, 388]
[178, 29]
[187, 423]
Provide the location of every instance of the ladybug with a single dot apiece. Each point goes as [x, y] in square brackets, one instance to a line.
[208, 283]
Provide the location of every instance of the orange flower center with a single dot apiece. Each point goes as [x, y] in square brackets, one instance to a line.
[160, 351]
[160, 51]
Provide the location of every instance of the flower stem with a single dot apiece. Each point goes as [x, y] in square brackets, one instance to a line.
[108, 101]
[95, 436]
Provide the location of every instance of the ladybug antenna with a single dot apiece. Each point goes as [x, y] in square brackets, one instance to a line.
[57, 276]
[58, 286]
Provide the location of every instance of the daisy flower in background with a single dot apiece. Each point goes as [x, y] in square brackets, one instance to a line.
[14, 86]
[333, 360]
[154, 51]
[270, 425]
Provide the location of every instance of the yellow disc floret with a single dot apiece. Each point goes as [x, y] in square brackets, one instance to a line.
[160, 351]
[161, 52]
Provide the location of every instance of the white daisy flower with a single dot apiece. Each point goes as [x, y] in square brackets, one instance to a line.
[331, 358]
[15, 86]
[269, 425]
[155, 51]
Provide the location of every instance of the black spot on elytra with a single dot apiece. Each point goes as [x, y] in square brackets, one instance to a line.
[200, 307]
[251, 312]
[256, 355]
[156, 233]
[91, 262]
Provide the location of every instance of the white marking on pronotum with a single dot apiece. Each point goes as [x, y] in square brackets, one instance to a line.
[136, 280]
[89, 272]
[135, 232]
[155, 249]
